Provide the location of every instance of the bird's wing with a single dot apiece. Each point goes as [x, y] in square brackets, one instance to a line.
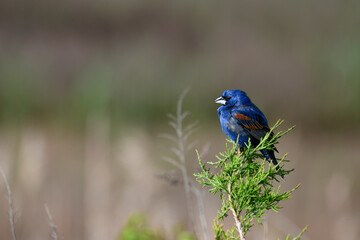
[252, 121]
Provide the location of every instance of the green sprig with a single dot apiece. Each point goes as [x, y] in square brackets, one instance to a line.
[245, 184]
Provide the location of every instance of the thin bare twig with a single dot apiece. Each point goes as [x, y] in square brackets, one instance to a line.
[200, 199]
[181, 148]
[173, 162]
[181, 139]
[54, 234]
[238, 223]
[11, 205]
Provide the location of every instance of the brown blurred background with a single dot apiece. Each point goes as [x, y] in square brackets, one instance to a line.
[85, 87]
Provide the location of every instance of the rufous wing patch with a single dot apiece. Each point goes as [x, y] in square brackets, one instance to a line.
[242, 116]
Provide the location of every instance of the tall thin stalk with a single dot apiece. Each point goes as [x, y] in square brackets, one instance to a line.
[54, 233]
[176, 122]
[11, 205]
[182, 134]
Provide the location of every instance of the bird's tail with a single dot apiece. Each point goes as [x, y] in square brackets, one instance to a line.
[270, 157]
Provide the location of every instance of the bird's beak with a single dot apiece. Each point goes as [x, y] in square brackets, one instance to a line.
[220, 100]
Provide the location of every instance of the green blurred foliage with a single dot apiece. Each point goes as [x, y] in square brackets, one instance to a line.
[137, 228]
[91, 93]
[181, 233]
[19, 95]
[338, 85]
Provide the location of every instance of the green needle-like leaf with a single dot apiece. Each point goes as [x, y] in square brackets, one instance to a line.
[245, 184]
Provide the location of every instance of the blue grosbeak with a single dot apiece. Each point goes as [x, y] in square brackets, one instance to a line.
[242, 120]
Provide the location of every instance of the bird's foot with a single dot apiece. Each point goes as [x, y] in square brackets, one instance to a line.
[240, 149]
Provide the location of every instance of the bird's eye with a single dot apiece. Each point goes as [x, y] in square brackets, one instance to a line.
[227, 98]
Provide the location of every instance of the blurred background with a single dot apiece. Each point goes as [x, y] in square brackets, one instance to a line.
[85, 87]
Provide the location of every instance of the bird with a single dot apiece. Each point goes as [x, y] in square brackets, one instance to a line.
[242, 120]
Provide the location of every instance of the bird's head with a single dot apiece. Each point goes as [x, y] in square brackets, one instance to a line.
[233, 98]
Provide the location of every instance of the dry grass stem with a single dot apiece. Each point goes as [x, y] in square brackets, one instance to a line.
[11, 205]
[200, 200]
[54, 234]
[182, 135]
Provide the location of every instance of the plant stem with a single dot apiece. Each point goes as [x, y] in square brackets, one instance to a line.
[182, 135]
[54, 235]
[181, 145]
[11, 205]
[199, 197]
[238, 223]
